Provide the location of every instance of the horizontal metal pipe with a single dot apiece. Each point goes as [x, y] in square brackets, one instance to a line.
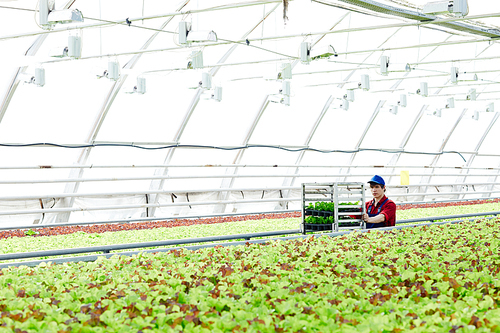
[114, 179]
[50, 253]
[441, 193]
[444, 201]
[436, 218]
[136, 166]
[202, 203]
[168, 192]
[157, 205]
[50, 196]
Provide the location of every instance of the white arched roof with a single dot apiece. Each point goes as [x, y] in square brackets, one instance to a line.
[79, 143]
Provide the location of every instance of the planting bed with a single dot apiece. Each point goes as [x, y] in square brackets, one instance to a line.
[426, 279]
[101, 228]
[30, 241]
[82, 239]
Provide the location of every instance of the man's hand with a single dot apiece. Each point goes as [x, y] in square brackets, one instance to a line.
[380, 218]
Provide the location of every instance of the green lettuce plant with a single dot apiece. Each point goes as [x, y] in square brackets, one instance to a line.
[442, 278]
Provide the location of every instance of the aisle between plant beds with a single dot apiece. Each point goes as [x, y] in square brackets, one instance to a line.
[332, 206]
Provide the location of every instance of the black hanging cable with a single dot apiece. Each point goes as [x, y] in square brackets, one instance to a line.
[324, 151]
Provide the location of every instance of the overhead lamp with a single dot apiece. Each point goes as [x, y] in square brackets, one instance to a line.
[344, 105]
[217, 95]
[475, 115]
[73, 50]
[307, 53]
[48, 16]
[305, 49]
[286, 72]
[349, 96]
[113, 71]
[184, 28]
[187, 36]
[402, 100]
[196, 60]
[322, 52]
[450, 103]
[454, 75]
[424, 89]
[140, 88]
[488, 108]
[74, 46]
[394, 68]
[285, 88]
[393, 109]
[465, 77]
[201, 36]
[365, 82]
[384, 65]
[436, 112]
[455, 7]
[38, 79]
[58, 52]
[285, 100]
[206, 80]
[471, 95]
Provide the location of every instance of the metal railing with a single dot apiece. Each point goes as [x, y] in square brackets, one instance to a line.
[219, 202]
[39, 207]
[228, 176]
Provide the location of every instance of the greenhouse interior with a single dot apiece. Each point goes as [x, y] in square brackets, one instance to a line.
[154, 134]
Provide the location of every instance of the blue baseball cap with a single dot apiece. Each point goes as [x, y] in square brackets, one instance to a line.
[377, 180]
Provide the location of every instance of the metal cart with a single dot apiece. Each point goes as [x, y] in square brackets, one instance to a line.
[338, 193]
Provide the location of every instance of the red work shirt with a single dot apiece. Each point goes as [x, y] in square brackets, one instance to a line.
[388, 209]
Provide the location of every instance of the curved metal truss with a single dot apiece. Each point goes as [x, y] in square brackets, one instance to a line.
[428, 106]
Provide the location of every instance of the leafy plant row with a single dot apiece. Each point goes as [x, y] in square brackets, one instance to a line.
[94, 238]
[326, 219]
[322, 212]
[82, 239]
[329, 206]
[426, 279]
[102, 228]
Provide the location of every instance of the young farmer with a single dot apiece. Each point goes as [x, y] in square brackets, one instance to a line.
[380, 212]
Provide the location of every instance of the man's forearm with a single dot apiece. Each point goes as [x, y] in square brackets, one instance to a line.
[377, 219]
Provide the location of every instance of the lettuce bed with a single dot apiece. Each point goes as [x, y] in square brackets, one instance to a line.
[102, 228]
[425, 279]
[447, 210]
[82, 239]
[85, 239]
